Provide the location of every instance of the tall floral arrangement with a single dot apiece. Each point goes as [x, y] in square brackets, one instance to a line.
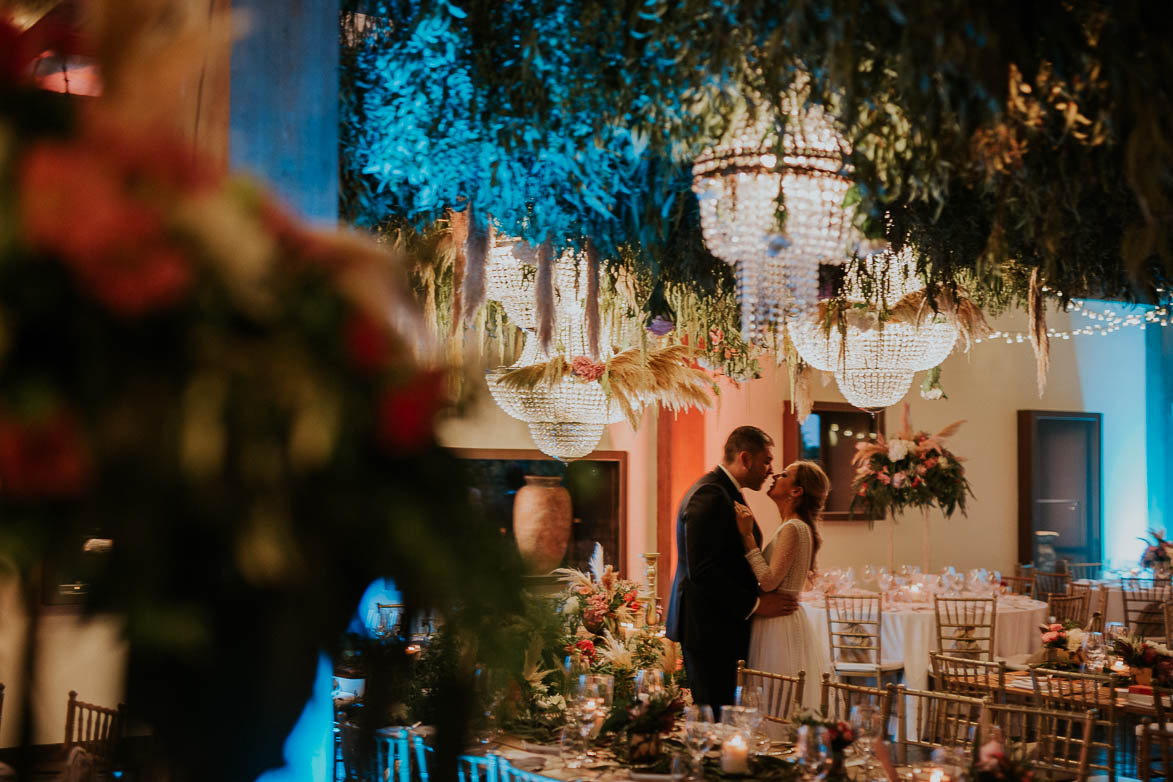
[1157, 554]
[911, 469]
[232, 398]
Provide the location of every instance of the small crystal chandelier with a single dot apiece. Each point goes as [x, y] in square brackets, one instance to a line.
[737, 185]
[874, 362]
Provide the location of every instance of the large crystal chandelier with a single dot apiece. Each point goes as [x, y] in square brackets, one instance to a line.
[737, 185]
[511, 278]
[873, 362]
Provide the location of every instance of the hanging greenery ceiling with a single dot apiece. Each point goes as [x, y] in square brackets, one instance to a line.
[998, 137]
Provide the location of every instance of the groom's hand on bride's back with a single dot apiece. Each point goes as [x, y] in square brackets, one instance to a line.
[776, 604]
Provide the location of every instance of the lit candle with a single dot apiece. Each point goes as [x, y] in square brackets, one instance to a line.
[626, 629]
[1119, 667]
[735, 755]
[938, 775]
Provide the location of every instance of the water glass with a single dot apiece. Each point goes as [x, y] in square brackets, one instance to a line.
[811, 751]
[650, 682]
[867, 575]
[700, 734]
[750, 696]
[865, 723]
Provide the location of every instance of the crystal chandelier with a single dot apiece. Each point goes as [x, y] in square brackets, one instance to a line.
[511, 273]
[737, 185]
[566, 440]
[873, 362]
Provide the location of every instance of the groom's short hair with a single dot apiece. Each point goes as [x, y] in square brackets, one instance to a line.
[746, 438]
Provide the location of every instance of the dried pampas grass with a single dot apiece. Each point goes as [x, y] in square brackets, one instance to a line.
[1036, 313]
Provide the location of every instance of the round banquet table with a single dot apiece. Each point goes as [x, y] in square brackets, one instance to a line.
[909, 632]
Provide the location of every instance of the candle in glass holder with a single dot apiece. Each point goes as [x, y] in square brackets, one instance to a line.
[626, 629]
[1119, 667]
[735, 755]
[938, 775]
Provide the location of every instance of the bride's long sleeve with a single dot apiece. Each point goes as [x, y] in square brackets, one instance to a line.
[770, 574]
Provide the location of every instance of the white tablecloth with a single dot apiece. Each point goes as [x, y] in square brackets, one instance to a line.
[909, 633]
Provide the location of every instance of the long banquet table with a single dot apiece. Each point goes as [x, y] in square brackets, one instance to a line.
[908, 632]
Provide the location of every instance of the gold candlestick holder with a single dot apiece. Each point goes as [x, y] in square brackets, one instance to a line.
[651, 560]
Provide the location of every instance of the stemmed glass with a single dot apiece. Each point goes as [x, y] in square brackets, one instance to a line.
[650, 682]
[812, 752]
[867, 575]
[700, 734]
[490, 689]
[865, 723]
[1094, 651]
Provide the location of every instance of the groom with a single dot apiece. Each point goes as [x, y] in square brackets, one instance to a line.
[714, 592]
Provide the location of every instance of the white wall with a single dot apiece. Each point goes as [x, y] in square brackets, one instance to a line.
[88, 656]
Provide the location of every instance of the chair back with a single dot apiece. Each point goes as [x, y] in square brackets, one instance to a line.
[1061, 739]
[478, 768]
[839, 697]
[1082, 692]
[1085, 571]
[1143, 614]
[965, 626]
[1047, 584]
[853, 626]
[96, 729]
[397, 754]
[969, 677]
[942, 720]
[781, 694]
[1068, 608]
[1155, 754]
[1020, 585]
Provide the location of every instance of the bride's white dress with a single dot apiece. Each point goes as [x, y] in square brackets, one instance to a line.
[789, 644]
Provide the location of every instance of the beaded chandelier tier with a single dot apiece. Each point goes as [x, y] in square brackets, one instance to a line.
[566, 417]
[511, 274]
[737, 185]
[874, 362]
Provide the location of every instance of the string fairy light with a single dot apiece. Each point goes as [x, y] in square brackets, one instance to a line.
[1111, 319]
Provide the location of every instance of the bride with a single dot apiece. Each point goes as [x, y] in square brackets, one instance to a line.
[789, 644]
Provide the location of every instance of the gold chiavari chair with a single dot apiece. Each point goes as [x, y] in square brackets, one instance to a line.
[1154, 757]
[1143, 614]
[781, 695]
[1068, 608]
[1020, 585]
[1166, 612]
[1081, 692]
[1097, 604]
[1047, 584]
[854, 624]
[1154, 748]
[942, 720]
[969, 677]
[1085, 571]
[96, 729]
[1057, 743]
[965, 626]
[839, 697]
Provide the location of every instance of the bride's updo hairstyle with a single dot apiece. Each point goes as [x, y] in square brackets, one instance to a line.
[815, 485]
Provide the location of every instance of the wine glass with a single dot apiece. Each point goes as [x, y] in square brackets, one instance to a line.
[865, 723]
[750, 696]
[885, 581]
[490, 689]
[867, 575]
[811, 751]
[650, 682]
[1094, 651]
[700, 734]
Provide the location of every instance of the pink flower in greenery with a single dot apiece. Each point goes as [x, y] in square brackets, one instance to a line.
[883, 478]
[583, 367]
[899, 479]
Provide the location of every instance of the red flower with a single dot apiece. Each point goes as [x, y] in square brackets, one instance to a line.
[368, 345]
[406, 412]
[75, 204]
[43, 458]
[586, 648]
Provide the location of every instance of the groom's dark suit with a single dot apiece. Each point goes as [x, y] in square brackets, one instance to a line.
[714, 590]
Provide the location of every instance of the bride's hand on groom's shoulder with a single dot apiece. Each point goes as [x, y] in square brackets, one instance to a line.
[744, 518]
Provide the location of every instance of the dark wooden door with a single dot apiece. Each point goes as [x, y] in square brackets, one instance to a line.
[1059, 483]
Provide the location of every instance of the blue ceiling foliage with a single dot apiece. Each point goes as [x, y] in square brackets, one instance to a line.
[421, 136]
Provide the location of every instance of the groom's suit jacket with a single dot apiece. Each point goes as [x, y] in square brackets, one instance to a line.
[714, 589]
